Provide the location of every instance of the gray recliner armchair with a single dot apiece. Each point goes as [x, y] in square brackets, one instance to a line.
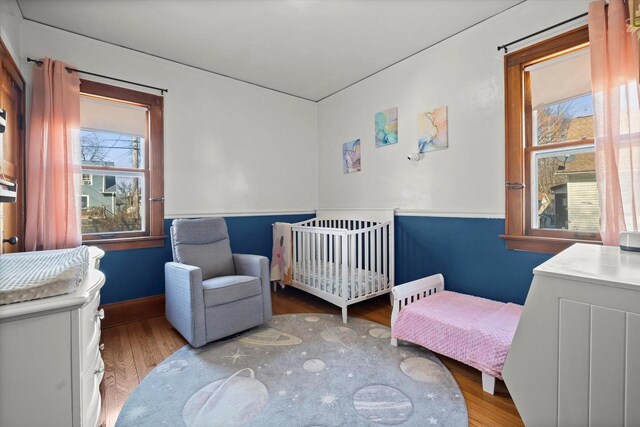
[210, 292]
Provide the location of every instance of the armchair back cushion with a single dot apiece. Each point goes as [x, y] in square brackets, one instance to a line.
[203, 243]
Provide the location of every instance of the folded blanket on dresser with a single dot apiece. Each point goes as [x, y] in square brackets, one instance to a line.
[32, 275]
[281, 256]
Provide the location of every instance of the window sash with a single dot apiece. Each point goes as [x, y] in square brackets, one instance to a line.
[519, 147]
[153, 235]
[539, 154]
[144, 202]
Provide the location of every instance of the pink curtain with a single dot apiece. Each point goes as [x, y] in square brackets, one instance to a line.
[53, 159]
[614, 76]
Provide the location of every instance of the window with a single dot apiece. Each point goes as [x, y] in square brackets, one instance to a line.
[551, 188]
[121, 140]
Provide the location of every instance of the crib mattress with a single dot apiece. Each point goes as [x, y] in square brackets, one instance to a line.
[363, 283]
[475, 331]
[33, 275]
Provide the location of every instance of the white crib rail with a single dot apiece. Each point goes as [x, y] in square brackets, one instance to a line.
[351, 252]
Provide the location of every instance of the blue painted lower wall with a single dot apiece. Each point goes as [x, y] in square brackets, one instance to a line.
[467, 251]
[139, 273]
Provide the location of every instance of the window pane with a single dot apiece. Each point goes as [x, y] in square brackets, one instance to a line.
[561, 102]
[114, 203]
[564, 121]
[566, 195]
[103, 148]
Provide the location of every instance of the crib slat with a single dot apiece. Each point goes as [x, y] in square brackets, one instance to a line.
[367, 266]
[330, 245]
[318, 264]
[385, 252]
[294, 255]
[305, 256]
[338, 261]
[353, 264]
[345, 265]
[314, 270]
[325, 242]
[356, 284]
[378, 257]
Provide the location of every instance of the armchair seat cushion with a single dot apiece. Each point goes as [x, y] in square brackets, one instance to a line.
[226, 289]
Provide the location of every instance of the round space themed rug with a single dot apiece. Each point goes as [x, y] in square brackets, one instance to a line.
[299, 370]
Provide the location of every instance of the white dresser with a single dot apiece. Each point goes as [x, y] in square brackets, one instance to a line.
[50, 364]
[575, 357]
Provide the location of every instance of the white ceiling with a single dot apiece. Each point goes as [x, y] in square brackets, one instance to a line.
[309, 49]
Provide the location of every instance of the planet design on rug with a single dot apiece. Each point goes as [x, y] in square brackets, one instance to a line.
[380, 333]
[314, 365]
[421, 369]
[382, 404]
[230, 401]
[339, 334]
[270, 336]
[283, 374]
[312, 319]
[172, 367]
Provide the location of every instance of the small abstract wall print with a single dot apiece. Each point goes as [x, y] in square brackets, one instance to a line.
[387, 127]
[351, 156]
[432, 130]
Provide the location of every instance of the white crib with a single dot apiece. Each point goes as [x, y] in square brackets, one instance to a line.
[344, 256]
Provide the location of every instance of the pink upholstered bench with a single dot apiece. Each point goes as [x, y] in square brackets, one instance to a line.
[475, 331]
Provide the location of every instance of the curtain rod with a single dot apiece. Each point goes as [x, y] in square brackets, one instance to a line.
[505, 46]
[72, 70]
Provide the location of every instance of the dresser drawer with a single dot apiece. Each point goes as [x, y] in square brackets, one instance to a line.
[90, 320]
[90, 392]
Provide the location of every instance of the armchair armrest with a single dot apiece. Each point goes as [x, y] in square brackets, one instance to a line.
[256, 266]
[185, 301]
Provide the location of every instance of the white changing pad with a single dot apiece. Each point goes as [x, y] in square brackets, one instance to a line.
[32, 275]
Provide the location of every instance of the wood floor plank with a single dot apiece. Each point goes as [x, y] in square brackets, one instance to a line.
[126, 375]
[145, 354]
[108, 389]
[159, 338]
[133, 349]
[171, 336]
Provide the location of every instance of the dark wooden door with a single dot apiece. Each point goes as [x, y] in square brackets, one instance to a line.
[12, 165]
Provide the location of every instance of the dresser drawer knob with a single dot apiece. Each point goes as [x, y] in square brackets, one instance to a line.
[101, 346]
[99, 371]
[99, 314]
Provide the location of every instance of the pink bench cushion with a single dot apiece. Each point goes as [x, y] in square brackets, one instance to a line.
[472, 330]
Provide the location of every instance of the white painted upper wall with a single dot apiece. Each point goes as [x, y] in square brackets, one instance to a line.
[464, 73]
[10, 27]
[230, 147]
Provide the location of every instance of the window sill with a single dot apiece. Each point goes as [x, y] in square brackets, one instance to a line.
[550, 245]
[122, 244]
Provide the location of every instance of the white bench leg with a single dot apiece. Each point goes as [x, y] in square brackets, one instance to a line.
[488, 383]
[394, 342]
[344, 314]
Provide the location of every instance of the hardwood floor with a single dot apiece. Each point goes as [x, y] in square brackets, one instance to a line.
[132, 350]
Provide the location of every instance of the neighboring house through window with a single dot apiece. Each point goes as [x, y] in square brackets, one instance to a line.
[122, 178]
[551, 188]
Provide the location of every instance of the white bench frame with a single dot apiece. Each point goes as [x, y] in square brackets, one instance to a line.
[417, 290]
